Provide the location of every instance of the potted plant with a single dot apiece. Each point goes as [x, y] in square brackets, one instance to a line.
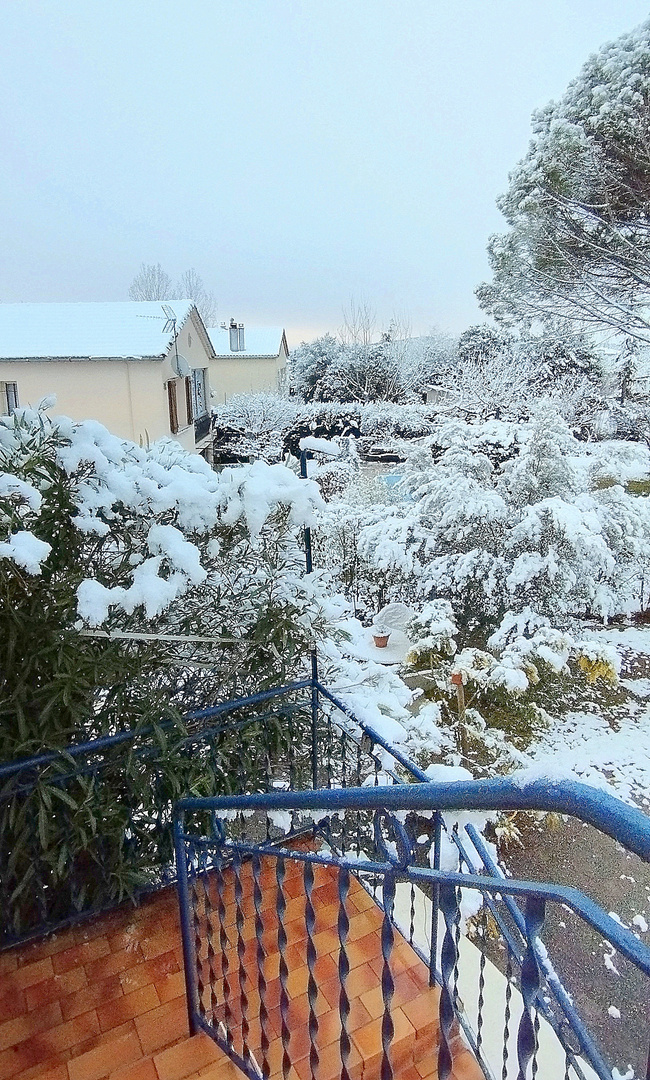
[394, 616]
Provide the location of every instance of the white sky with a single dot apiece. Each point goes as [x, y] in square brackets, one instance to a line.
[296, 152]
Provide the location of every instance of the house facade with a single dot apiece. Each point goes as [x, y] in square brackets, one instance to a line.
[247, 360]
[141, 368]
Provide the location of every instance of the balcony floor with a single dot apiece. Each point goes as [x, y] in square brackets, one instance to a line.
[107, 999]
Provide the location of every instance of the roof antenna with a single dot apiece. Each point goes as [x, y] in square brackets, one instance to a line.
[170, 315]
[181, 367]
[170, 328]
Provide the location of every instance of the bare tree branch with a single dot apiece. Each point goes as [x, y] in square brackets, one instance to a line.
[151, 283]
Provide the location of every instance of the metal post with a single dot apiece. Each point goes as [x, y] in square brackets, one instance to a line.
[314, 658]
[435, 898]
[307, 530]
[457, 681]
[314, 718]
[191, 987]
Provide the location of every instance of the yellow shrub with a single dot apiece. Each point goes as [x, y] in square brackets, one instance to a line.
[597, 669]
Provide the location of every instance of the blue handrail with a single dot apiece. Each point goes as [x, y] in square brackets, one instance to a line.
[391, 863]
[611, 816]
[410, 766]
[106, 742]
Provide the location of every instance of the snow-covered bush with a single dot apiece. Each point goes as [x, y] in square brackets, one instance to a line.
[136, 584]
[97, 532]
[256, 424]
[493, 532]
[432, 631]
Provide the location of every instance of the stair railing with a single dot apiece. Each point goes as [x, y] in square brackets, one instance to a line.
[239, 896]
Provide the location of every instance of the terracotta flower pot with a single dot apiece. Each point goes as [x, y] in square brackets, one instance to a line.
[380, 640]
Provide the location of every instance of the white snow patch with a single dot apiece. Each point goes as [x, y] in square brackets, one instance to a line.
[26, 550]
[13, 485]
[321, 446]
[638, 687]
[583, 746]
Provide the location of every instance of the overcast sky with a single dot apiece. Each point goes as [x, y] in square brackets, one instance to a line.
[295, 152]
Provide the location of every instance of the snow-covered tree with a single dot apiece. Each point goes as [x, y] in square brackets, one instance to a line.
[359, 321]
[394, 369]
[502, 517]
[578, 247]
[310, 365]
[500, 385]
[482, 343]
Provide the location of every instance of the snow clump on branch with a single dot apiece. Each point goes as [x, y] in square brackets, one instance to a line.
[154, 509]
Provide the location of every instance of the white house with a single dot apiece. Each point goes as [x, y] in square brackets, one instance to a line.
[141, 368]
[247, 359]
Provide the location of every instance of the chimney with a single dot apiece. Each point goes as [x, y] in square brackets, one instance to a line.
[236, 336]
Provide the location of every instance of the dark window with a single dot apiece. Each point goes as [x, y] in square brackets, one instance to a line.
[188, 400]
[8, 398]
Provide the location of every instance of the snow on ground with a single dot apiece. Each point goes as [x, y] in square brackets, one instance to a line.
[639, 687]
[632, 637]
[587, 745]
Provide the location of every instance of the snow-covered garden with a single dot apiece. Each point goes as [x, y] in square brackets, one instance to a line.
[477, 509]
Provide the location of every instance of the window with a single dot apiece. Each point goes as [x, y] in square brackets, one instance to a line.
[200, 392]
[173, 406]
[189, 410]
[8, 398]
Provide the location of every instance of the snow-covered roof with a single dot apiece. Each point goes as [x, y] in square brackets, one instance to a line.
[259, 341]
[133, 328]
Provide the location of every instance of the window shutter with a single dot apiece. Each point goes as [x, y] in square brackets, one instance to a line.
[188, 400]
[173, 406]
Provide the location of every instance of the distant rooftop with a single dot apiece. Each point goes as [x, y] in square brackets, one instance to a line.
[131, 328]
[262, 341]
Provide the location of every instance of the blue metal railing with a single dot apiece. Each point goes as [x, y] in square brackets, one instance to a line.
[536, 1005]
[122, 786]
[116, 794]
[299, 738]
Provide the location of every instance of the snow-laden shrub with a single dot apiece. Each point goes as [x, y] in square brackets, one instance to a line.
[537, 529]
[97, 532]
[270, 426]
[432, 630]
[135, 584]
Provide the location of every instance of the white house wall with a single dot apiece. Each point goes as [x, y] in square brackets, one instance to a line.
[128, 397]
[245, 375]
[190, 345]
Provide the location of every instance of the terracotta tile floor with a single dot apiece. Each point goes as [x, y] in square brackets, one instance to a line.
[107, 999]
